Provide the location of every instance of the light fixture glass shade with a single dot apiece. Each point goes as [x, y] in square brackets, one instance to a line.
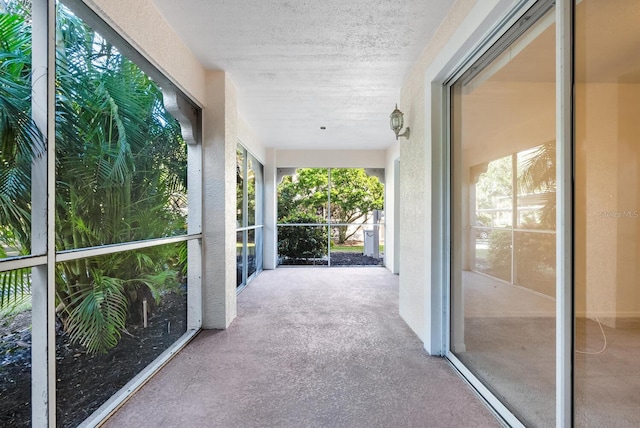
[397, 120]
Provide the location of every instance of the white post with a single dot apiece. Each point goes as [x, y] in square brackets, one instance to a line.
[564, 219]
[43, 371]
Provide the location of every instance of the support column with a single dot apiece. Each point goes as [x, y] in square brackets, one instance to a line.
[219, 202]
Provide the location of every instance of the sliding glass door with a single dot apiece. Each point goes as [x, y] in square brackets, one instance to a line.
[607, 214]
[249, 216]
[545, 342]
[503, 205]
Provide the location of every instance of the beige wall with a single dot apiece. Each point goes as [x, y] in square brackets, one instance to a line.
[330, 158]
[526, 112]
[422, 173]
[415, 182]
[220, 123]
[607, 201]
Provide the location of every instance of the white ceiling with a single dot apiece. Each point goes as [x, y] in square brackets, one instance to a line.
[302, 64]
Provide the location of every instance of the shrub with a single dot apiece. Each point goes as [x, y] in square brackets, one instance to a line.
[302, 242]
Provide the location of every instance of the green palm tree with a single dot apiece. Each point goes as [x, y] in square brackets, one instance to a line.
[20, 143]
[538, 175]
[120, 164]
[120, 175]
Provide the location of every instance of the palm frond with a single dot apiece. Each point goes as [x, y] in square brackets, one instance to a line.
[15, 288]
[99, 315]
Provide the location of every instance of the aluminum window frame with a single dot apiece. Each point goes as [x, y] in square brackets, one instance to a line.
[45, 257]
[258, 216]
[329, 224]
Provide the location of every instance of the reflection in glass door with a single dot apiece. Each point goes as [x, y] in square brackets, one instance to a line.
[607, 214]
[503, 220]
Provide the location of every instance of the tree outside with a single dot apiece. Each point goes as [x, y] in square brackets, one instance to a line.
[120, 177]
[354, 197]
[341, 200]
[524, 233]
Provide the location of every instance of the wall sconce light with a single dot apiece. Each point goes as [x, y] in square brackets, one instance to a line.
[397, 121]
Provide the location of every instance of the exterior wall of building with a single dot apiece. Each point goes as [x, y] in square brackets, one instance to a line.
[250, 140]
[220, 123]
[415, 181]
[422, 99]
[330, 158]
[270, 211]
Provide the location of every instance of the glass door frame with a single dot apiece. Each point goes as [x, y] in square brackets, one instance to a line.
[564, 21]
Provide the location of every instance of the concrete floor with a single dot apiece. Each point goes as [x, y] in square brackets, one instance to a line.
[311, 347]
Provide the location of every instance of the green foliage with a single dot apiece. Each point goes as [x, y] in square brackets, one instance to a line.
[99, 312]
[302, 242]
[538, 175]
[354, 195]
[14, 288]
[120, 177]
[20, 143]
[495, 183]
[499, 255]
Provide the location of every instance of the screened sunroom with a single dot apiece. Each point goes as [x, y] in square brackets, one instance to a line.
[202, 207]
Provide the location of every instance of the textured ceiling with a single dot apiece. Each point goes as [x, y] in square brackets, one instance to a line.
[302, 64]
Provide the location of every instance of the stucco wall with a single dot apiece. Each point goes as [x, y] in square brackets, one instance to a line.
[250, 140]
[422, 171]
[391, 198]
[330, 158]
[415, 182]
[607, 201]
[219, 195]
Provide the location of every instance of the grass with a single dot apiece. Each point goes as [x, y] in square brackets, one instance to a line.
[11, 310]
[351, 248]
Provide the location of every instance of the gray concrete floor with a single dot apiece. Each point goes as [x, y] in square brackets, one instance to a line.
[311, 347]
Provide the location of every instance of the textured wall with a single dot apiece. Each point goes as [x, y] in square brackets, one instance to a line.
[390, 199]
[423, 173]
[331, 158]
[270, 211]
[219, 200]
[415, 179]
[250, 140]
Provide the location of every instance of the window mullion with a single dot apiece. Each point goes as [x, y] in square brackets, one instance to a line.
[42, 218]
[565, 10]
